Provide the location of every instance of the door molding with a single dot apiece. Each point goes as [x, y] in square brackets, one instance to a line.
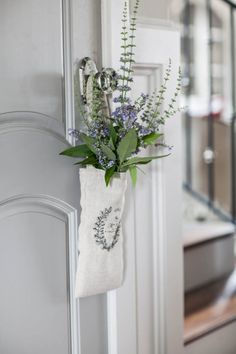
[16, 120]
[43, 204]
[67, 26]
[31, 121]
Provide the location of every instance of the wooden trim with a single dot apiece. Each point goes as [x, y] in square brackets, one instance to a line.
[210, 308]
[211, 329]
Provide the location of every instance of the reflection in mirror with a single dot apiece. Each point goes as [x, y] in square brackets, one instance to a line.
[208, 46]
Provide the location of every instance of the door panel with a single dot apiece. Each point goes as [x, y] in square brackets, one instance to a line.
[39, 194]
[33, 281]
[31, 35]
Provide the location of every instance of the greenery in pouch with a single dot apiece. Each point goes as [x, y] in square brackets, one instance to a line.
[112, 140]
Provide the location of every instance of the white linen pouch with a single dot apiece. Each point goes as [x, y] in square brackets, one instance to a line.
[100, 261]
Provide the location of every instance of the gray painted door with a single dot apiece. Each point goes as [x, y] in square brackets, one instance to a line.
[39, 190]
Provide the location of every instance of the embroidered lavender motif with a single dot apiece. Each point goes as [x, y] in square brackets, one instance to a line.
[107, 228]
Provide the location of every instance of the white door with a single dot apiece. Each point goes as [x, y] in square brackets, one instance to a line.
[39, 190]
[145, 316]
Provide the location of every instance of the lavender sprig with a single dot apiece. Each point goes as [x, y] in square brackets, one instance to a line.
[124, 55]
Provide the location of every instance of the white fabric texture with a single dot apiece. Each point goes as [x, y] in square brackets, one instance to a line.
[100, 261]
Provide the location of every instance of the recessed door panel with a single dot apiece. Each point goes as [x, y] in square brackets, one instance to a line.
[31, 61]
[33, 296]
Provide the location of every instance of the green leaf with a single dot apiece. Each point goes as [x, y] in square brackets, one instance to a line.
[91, 160]
[151, 138]
[123, 169]
[89, 141]
[142, 160]
[77, 151]
[109, 173]
[111, 144]
[127, 145]
[113, 133]
[133, 174]
[108, 152]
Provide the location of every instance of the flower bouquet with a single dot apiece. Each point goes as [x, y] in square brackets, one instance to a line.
[115, 130]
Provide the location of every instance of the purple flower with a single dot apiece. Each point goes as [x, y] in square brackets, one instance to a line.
[125, 115]
[104, 161]
[74, 132]
[143, 131]
[101, 160]
[121, 99]
[124, 88]
[110, 164]
[98, 129]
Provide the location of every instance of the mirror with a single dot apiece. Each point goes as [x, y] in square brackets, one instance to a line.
[208, 52]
